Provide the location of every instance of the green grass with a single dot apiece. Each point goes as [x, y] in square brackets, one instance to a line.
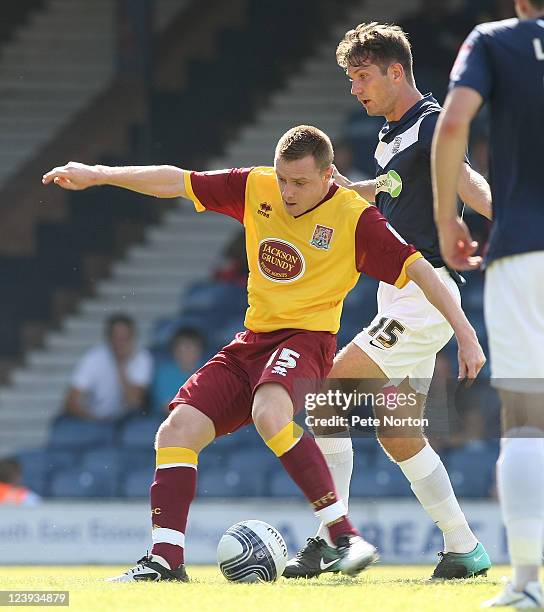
[382, 588]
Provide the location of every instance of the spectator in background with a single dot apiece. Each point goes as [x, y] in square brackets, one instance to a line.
[12, 492]
[112, 378]
[187, 355]
[233, 267]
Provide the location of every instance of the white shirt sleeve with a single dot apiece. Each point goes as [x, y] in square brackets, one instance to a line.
[140, 369]
[82, 378]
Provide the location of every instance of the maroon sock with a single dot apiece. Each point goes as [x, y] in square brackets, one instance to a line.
[172, 492]
[308, 469]
[341, 527]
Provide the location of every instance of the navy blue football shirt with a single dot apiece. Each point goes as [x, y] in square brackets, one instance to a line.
[404, 193]
[504, 62]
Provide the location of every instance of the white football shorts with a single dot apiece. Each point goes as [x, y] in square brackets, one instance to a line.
[514, 316]
[408, 331]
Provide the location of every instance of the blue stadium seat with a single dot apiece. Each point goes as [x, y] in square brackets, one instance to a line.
[72, 433]
[136, 483]
[137, 458]
[224, 482]
[365, 450]
[140, 431]
[281, 485]
[363, 484]
[77, 482]
[105, 461]
[221, 335]
[37, 464]
[247, 461]
[472, 469]
[225, 299]
[384, 479]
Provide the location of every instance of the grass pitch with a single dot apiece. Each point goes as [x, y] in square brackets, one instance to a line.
[381, 588]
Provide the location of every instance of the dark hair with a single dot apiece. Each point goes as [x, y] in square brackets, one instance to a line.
[538, 4]
[10, 468]
[380, 44]
[304, 140]
[190, 333]
[119, 317]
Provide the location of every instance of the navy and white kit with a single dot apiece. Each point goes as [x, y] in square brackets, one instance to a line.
[504, 62]
[408, 330]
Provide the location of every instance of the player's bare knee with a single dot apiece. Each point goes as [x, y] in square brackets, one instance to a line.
[272, 409]
[266, 422]
[403, 448]
[187, 427]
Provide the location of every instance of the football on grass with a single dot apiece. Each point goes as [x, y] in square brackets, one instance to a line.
[252, 551]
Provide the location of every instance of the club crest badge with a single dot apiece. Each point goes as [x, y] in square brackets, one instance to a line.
[322, 237]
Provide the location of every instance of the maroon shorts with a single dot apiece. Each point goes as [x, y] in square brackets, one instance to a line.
[223, 388]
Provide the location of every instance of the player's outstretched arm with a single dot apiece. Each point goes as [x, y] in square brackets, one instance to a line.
[158, 181]
[366, 189]
[475, 191]
[471, 356]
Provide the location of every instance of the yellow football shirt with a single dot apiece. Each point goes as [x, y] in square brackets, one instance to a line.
[301, 268]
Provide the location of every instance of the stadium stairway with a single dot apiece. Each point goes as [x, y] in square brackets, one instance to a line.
[43, 85]
[149, 282]
[318, 94]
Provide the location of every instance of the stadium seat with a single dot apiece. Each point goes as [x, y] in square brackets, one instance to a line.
[77, 482]
[105, 461]
[72, 433]
[466, 480]
[281, 485]
[37, 465]
[365, 451]
[223, 299]
[140, 431]
[225, 482]
[384, 479]
[137, 458]
[248, 462]
[363, 484]
[137, 482]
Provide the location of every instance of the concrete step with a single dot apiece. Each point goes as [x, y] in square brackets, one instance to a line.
[148, 285]
[26, 397]
[31, 378]
[139, 310]
[91, 330]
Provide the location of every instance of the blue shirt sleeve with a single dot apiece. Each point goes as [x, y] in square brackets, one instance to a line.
[426, 131]
[472, 68]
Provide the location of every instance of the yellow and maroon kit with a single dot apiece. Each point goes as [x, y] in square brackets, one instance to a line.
[300, 270]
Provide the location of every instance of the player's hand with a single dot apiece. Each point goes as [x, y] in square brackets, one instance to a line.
[74, 176]
[340, 178]
[471, 357]
[457, 246]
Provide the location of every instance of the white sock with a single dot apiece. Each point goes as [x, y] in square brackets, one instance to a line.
[431, 485]
[520, 480]
[338, 453]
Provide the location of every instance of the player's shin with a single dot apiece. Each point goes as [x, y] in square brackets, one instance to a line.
[519, 478]
[338, 453]
[431, 485]
[172, 492]
[304, 462]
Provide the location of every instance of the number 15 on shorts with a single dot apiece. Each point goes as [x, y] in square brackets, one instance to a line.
[286, 360]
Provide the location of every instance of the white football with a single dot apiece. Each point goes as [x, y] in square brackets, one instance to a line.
[252, 551]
